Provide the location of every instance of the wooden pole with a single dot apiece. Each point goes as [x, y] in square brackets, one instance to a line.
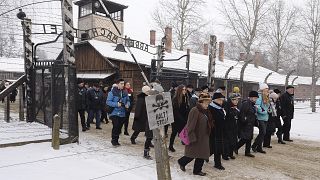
[21, 104]
[55, 132]
[162, 158]
[7, 109]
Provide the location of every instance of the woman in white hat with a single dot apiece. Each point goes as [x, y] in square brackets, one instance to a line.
[262, 105]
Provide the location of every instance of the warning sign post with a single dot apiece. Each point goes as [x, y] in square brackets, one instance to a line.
[159, 110]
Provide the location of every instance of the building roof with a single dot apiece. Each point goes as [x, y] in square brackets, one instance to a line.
[11, 64]
[110, 5]
[199, 64]
[93, 75]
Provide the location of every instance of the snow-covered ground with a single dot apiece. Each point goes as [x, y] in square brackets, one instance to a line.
[306, 125]
[95, 158]
[21, 131]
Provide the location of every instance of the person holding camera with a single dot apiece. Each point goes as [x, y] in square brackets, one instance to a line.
[119, 100]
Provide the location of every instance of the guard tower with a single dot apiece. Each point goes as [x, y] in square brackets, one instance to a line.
[92, 15]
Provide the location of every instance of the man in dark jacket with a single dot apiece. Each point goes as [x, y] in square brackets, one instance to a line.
[118, 99]
[287, 111]
[82, 103]
[216, 136]
[95, 104]
[247, 119]
[231, 127]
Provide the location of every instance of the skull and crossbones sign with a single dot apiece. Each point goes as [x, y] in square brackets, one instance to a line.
[160, 103]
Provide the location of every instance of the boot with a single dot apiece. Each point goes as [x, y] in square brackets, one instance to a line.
[146, 154]
[249, 155]
[280, 141]
[220, 167]
[133, 140]
[171, 149]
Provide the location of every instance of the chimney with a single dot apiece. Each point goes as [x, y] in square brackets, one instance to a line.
[242, 56]
[221, 51]
[168, 45]
[152, 37]
[206, 49]
[257, 59]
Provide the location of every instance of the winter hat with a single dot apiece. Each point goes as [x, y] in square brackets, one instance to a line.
[204, 87]
[277, 91]
[223, 88]
[273, 96]
[253, 94]
[204, 97]
[189, 86]
[236, 89]
[80, 81]
[217, 95]
[289, 87]
[263, 86]
[145, 89]
[234, 96]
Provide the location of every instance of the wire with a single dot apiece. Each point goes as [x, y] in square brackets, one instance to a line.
[129, 169]
[28, 5]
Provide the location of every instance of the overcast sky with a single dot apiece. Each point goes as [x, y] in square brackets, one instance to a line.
[138, 21]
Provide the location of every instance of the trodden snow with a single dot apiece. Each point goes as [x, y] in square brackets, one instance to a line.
[95, 158]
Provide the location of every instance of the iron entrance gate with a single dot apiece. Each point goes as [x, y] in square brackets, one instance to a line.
[50, 96]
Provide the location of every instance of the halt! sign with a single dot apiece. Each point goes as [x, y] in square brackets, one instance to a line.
[159, 110]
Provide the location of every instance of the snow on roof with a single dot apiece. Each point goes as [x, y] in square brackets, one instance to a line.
[198, 63]
[11, 64]
[93, 75]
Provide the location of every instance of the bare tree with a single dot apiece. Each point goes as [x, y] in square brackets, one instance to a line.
[244, 18]
[184, 16]
[279, 29]
[311, 31]
[233, 48]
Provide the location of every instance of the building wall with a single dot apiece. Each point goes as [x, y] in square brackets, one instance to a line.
[304, 91]
[10, 75]
[89, 60]
[96, 21]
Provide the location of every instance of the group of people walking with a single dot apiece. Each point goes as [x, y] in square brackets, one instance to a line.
[220, 126]
[216, 125]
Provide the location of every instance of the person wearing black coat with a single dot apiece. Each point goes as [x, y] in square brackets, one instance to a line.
[287, 111]
[231, 127]
[181, 108]
[104, 114]
[247, 119]
[128, 88]
[217, 132]
[13, 96]
[271, 125]
[82, 104]
[278, 123]
[140, 122]
[95, 104]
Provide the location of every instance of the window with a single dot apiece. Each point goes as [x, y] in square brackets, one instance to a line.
[85, 10]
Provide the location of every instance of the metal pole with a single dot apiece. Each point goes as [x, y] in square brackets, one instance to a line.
[266, 79]
[226, 79]
[242, 75]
